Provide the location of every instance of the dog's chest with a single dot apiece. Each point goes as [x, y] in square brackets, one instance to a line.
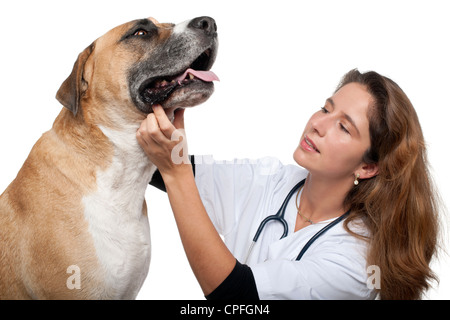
[119, 225]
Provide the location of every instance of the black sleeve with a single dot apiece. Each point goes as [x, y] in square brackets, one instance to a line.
[240, 285]
[158, 182]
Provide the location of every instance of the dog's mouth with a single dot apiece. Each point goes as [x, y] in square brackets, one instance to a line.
[196, 79]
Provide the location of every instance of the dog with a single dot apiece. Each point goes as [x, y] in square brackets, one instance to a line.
[73, 223]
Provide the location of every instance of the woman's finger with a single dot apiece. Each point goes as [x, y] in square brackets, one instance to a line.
[150, 130]
[142, 135]
[164, 123]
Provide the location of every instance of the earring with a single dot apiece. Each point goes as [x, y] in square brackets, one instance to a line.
[356, 182]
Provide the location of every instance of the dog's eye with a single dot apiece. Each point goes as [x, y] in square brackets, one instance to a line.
[140, 32]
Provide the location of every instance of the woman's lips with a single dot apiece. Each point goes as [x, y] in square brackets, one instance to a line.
[308, 145]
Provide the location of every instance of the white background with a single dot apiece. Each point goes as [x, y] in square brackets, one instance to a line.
[278, 61]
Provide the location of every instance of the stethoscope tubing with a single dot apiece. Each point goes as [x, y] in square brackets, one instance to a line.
[320, 232]
[279, 216]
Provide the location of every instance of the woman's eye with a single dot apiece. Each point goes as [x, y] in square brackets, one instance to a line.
[141, 33]
[344, 128]
[324, 110]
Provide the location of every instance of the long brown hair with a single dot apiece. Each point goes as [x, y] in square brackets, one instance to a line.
[399, 205]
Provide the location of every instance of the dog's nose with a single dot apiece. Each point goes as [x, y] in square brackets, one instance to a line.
[207, 24]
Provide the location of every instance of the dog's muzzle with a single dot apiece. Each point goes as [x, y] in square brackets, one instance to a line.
[177, 74]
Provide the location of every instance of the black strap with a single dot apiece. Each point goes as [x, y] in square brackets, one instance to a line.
[320, 232]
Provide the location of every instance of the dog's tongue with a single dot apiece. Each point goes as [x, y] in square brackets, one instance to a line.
[207, 76]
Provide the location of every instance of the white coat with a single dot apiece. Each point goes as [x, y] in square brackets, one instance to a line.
[239, 194]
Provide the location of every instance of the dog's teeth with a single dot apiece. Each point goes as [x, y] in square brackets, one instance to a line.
[164, 83]
[172, 82]
[191, 76]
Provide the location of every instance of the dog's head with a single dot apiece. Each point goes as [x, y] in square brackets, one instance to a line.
[142, 63]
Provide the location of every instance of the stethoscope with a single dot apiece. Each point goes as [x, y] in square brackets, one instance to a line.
[279, 216]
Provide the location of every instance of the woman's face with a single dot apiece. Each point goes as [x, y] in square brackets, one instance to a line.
[337, 136]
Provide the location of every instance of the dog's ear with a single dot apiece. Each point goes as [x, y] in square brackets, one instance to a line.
[72, 89]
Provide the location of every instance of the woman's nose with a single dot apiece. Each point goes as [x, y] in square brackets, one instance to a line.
[320, 125]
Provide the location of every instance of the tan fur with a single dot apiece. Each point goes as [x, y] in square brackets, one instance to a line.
[42, 227]
[55, 177]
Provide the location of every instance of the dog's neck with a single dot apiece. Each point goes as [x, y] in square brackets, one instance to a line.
[130, 171]
[117, 214]
[128, 154]
[122, 168]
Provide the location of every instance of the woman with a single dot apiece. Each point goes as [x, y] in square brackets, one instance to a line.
[364, 154]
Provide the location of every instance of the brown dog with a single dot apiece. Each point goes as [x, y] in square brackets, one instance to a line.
[73, 224]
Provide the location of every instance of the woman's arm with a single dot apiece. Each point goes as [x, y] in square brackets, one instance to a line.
[210, 259]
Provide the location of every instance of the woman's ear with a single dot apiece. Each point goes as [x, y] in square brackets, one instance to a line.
[368, 171]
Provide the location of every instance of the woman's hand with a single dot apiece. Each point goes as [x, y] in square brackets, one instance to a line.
[210, 259]
[164, 142]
